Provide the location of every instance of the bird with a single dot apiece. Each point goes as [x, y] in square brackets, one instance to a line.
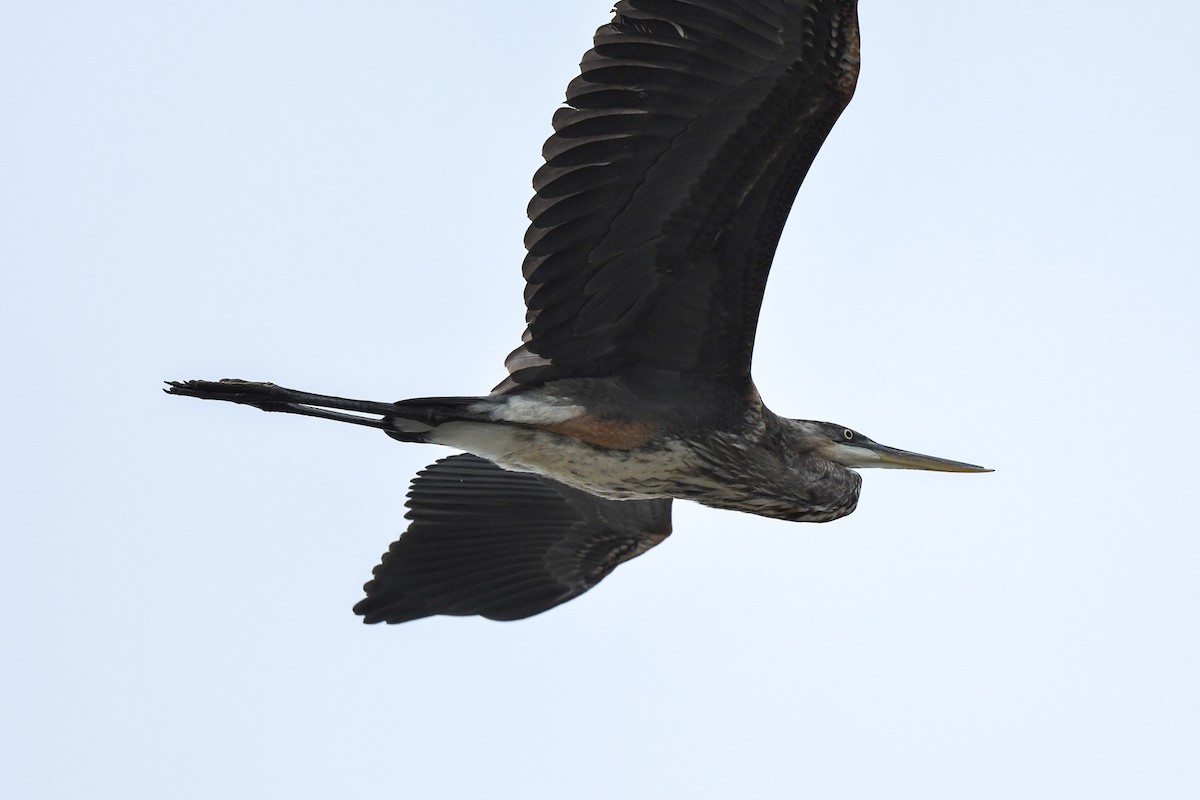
[669, 175]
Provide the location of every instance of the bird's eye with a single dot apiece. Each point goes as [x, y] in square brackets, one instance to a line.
[847, 434]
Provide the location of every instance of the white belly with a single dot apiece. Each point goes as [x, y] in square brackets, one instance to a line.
[639, 474]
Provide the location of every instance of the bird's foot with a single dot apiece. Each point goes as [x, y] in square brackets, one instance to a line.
[260, 394]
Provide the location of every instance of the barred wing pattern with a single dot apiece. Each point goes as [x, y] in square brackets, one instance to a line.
[504, 545]
[667, 182]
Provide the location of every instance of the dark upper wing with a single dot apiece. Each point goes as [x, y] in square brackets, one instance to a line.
[504, 545]
[668, 180]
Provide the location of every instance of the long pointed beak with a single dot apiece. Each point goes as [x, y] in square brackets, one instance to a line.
[903, 459]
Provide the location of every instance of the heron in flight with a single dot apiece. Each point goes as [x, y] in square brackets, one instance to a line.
[667, 182]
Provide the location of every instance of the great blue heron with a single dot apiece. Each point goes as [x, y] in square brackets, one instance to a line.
[667, 182]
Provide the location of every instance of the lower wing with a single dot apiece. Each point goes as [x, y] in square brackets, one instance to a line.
[503, 545]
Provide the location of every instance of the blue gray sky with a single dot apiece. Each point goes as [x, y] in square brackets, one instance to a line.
[993, 259]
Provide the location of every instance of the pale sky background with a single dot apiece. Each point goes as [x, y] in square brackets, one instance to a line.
[994, 259]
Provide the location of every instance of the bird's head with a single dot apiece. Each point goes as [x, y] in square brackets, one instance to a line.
[850, 448]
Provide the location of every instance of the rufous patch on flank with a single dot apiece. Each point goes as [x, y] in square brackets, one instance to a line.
[613, 434]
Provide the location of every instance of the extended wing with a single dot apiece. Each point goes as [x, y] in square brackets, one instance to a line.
[504, 545]
[668, 180]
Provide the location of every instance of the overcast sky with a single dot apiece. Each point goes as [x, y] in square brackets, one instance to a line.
[994, 259]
